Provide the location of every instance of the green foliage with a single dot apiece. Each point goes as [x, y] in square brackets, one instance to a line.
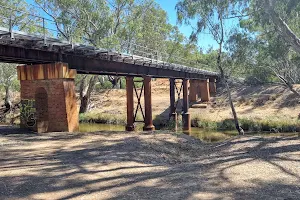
[249, 125]
[197, 121]
[213, 136]
[22, 17]
[93, 117]
[8, 77]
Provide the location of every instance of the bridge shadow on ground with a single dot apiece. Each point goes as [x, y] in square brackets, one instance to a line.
[119, 165]
[13, 129]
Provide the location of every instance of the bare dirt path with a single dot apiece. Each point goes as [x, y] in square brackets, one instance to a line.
[120, 165]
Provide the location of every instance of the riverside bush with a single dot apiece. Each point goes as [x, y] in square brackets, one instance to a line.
[266, 125]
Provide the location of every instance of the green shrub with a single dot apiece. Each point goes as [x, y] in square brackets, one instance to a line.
[102, 118]
[250, 125]
[268, 125]
[227, 124]
[203, 123]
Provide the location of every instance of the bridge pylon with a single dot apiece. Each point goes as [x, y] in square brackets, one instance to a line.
[48, 99]
[143, 88]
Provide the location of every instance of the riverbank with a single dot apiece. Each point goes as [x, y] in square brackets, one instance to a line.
[249, 125]
[269, 108]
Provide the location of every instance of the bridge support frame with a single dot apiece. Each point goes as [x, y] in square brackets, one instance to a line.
[147, 111]
[130, 103]
[193, 91]
[204, 90]
[184, 88]
[186, 118]
[212, 86]
[173, 114]
[148, 105]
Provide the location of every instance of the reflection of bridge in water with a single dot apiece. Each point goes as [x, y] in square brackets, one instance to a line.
[47, 78]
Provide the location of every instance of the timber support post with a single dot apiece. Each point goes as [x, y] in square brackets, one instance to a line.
[204, 90]
[212, 86]
[193, 94]
[173, 114]
[148, 105]
[186, 118]
[130, 102]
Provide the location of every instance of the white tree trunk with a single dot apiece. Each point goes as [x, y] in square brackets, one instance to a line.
[282, 26]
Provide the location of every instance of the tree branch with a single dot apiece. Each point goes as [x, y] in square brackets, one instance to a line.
[285, 30]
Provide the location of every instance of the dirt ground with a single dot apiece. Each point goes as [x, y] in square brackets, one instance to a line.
[122, 165]
[256, 103]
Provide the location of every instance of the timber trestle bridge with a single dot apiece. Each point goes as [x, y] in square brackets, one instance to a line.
[48, 66]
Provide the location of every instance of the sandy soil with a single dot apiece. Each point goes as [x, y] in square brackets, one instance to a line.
[260, 102]
[122, 165]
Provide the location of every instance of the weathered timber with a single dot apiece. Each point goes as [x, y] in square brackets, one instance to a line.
[97, 65]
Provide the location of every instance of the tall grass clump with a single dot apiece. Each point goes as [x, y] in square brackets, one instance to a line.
[102, 118]
[250, 125]
[197, 121]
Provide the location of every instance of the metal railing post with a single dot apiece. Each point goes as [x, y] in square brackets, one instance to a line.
[44, 32]
[11, 28]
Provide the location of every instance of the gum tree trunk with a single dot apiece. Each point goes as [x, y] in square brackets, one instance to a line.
[86, 89]
[236, 120]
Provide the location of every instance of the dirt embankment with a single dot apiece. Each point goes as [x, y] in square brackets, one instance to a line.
[274, 103]
[256, 103]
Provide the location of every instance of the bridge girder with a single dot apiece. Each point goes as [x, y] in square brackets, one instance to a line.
[93, 65]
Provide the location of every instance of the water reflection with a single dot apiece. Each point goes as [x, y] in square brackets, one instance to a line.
[204, 135]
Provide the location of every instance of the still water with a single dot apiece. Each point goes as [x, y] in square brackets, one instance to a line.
[204, 135]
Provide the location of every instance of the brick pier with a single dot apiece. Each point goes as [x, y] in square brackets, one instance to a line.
[48, 99]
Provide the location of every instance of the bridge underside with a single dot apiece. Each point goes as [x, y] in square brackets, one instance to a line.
[47, 80]
[49, 102]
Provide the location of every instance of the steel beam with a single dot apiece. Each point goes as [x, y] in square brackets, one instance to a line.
[172, 97]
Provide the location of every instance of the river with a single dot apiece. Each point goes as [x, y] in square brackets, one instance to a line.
[204, 135]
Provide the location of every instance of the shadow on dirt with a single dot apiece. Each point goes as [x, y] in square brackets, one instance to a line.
[56, 168]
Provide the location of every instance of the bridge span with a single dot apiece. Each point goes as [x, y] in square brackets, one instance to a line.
[49, 65]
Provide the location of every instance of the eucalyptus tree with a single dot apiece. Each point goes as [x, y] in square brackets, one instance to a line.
[106, 24]
[267, 44]
[283, 14]
[265, 57]
[18, 14]
[8, 77]
[211, 15]
[15, 15]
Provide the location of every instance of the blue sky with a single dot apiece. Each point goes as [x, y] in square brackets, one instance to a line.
[205, 40]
